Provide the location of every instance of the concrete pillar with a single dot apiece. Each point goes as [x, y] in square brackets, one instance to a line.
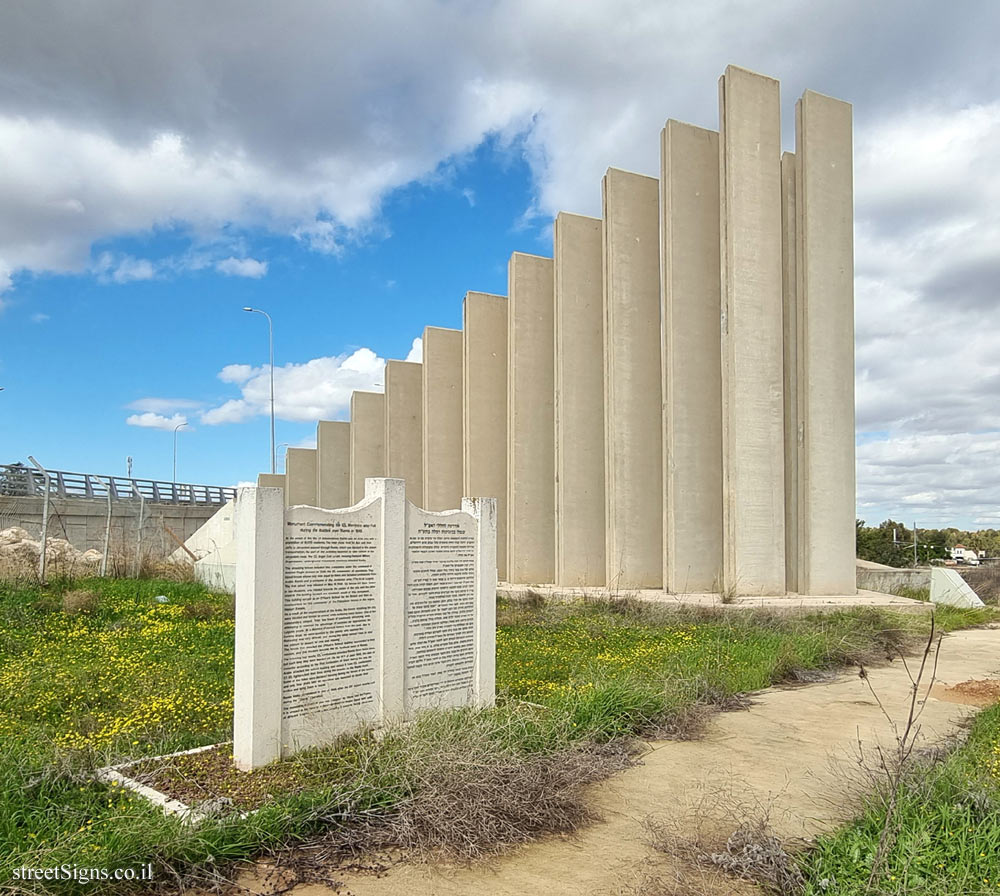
[300, 476]
[270, 480]
[442, 436]
[579, 401]
[367, 440]
[404, 425]
[791, 374]
[692, 365]
[333, 464]
[752, 354]
[825, 323]
[632, 381]
[484, 407]
[531, 539]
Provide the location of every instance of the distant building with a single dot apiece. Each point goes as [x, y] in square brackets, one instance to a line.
[961, 554]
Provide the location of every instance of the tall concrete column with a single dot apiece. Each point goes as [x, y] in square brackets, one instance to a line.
[271, 480]
[531, 538]
[442, 437]
[791, 371]
[404, 427]
[300, 476]
[825, 322]
[367, 440]
[632, 381]
[333, 464]
[752, 353]
[692, 364]
[484, 403]
[579, 401]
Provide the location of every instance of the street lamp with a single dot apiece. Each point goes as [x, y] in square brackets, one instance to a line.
[270, 342]
[178, 426]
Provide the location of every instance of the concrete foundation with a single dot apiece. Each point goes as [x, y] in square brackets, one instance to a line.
[531, 535]
[692, 366]
[752, 352]
[825, 345]
[632, 387]
[333, 464]
[300, 476]
[579, 401]
[404, 421]
[442, 428]
[484, 376]
[367, 441]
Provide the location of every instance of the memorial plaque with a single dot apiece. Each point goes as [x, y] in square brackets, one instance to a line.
[330, 622]
[358, 616]
[440, 608]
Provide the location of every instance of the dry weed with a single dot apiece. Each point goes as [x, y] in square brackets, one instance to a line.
[80, 601]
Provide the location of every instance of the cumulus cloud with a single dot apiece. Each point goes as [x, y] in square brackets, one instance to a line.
[416, 352]
[124, 269]
[317, 389]
[242, 267]
[163, 405]
[151, 420]
[305, 132]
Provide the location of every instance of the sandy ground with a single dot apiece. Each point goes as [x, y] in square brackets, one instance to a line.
[795, 750]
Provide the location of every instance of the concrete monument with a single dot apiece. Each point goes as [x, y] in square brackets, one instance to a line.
[361, 615]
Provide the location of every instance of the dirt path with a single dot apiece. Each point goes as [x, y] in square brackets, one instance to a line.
[795, 748]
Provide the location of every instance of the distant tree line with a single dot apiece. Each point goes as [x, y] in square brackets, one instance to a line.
[877, 543]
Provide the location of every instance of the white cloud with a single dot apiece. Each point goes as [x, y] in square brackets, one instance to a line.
[305, 132]
[235, 373]
[242, 267]
[416, 352]
[319, 389]
[163, 405]
[39, 317]
[124, 269]
[151, 420]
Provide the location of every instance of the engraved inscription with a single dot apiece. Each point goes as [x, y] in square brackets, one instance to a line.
[330, 639]
[440, 602]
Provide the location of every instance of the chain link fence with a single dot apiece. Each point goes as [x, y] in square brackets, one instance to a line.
[97, 525]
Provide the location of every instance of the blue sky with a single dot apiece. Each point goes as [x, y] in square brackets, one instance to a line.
[99, 353]
[354, 169]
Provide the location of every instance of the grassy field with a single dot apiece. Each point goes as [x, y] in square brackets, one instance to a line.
[948, 829]
[101, 671]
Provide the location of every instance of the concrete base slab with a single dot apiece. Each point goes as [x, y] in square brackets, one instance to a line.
[790, 603]
[118, 775]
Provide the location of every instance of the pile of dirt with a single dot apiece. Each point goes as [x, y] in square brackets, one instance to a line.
[984, 692]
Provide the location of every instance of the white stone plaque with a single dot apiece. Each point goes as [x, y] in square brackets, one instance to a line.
[440, 608]
[330, 626]
[357, 616]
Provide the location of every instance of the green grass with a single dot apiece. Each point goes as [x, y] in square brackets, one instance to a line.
[131, 676]
[949, 830]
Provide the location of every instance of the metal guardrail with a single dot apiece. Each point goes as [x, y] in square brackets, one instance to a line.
[24, 482]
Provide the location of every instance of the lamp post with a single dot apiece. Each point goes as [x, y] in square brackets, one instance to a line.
[270, 342]
[178, 426]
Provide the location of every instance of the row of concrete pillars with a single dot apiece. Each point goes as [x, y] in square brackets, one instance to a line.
[668, 401]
